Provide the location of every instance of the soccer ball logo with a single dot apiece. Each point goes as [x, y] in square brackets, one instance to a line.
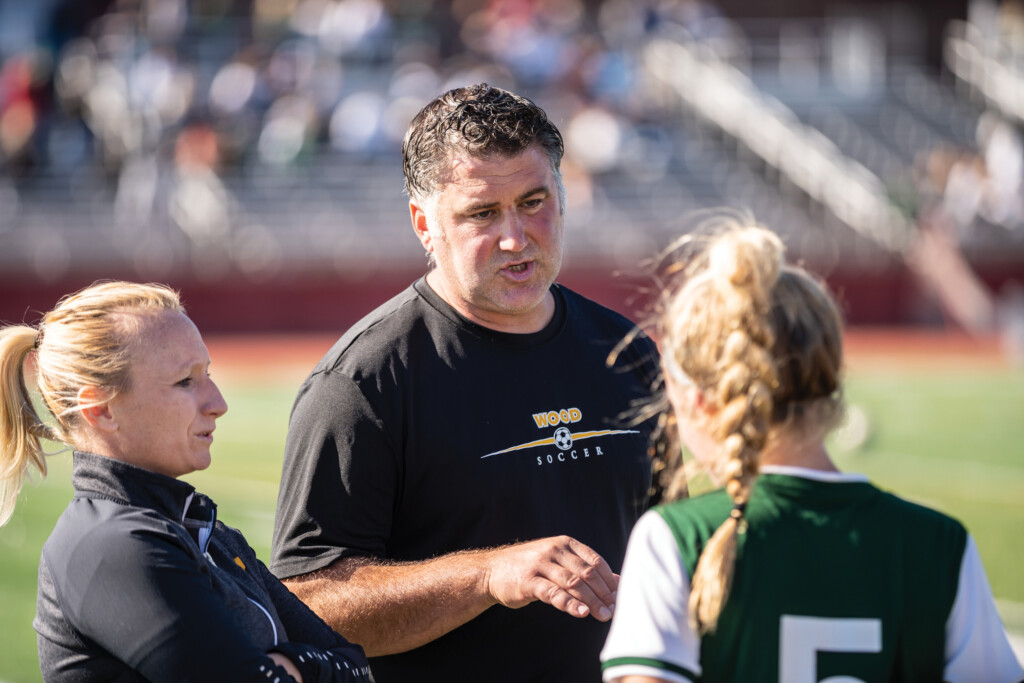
[563, 439]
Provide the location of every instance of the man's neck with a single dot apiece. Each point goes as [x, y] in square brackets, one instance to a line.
[527, 322]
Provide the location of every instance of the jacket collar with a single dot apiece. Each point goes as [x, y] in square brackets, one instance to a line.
[97, 476]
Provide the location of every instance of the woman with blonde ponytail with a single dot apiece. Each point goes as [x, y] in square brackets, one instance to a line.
[791, 571]
[138, 580]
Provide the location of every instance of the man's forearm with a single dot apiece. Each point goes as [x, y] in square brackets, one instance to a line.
[390, 608]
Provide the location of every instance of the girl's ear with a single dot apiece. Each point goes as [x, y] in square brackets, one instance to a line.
[686, 395]
[95, 409]
[701, 402]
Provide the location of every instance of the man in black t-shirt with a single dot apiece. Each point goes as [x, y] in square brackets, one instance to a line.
[466, 449]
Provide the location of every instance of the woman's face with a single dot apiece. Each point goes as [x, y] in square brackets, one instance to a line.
[165, 421]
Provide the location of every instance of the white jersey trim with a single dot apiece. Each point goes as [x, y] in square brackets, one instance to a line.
[640, 670]
[816, 475]
[651, 614]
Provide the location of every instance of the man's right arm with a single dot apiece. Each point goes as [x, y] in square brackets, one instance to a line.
[395, 607]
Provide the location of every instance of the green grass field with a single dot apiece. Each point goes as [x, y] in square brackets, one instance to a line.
[951, 439]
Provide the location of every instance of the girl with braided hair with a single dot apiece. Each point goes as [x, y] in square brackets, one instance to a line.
[792, 571]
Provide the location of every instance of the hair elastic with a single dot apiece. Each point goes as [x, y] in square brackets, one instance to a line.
[738, 509]
[39, 337]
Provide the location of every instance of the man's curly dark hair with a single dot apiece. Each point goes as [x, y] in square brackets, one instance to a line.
[481, 120]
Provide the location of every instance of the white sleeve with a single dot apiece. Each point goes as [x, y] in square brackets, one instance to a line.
[977, 648]
[650, 634]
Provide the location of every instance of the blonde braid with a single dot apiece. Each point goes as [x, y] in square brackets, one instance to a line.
[742, 427]
[720, 334]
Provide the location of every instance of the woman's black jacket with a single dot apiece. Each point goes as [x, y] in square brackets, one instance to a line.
[138, 581]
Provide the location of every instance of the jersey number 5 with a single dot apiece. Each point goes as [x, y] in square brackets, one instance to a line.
[802, 638]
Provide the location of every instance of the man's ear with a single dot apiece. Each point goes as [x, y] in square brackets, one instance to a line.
[95, 409]
[420, 225]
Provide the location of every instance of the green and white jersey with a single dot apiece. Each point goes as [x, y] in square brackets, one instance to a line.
[835, 580]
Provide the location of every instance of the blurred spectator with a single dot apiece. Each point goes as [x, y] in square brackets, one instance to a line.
[1003, 154]
[279, 79]
[19, 111]
[105, 94]
[200, 198]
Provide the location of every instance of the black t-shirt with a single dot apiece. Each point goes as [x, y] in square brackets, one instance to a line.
[421, 433]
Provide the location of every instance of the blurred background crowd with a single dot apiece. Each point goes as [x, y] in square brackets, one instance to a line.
[258, 141]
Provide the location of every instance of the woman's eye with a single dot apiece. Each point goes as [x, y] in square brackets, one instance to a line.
[185, 382]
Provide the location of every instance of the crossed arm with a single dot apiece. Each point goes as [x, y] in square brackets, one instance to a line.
[395, 607]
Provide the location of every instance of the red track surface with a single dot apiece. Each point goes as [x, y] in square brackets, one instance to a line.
[293, 356]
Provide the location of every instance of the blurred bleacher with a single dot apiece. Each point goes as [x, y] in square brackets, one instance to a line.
[257, 152]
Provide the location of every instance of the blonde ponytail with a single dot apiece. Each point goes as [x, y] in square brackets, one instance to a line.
[20, 426]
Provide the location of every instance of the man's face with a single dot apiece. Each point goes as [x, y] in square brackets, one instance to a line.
[494, 226]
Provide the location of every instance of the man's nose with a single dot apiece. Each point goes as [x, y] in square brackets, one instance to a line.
[513, 233]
